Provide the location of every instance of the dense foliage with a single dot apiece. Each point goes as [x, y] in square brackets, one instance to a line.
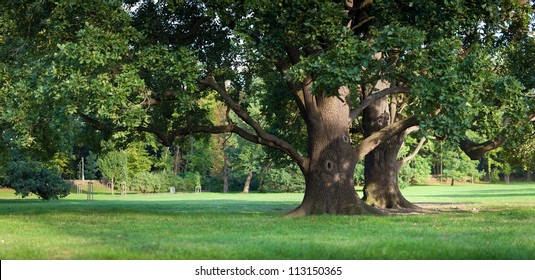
[277, 73]
[27, 177]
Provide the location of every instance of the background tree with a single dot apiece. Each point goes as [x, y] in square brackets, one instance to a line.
[92, 171]
[454, 68]
[458, 166]
[113, 166]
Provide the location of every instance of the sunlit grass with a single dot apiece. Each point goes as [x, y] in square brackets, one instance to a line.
[253, 226]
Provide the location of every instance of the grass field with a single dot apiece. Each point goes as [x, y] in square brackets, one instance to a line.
[475, 222]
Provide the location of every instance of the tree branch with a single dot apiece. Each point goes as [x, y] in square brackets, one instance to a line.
[371, 142]
[262, 136]
[166, 139]
[414, 153]
[298, 93]
[372, 98]
[476, 151]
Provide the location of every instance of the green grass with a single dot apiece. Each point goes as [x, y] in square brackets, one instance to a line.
[238, 226]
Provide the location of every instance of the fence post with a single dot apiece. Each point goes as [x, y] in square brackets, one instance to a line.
[123, 188]
[89, 190]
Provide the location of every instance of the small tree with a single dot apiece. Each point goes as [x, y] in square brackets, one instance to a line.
[113, 166]
[138, 159]
[507, 170]
[459, 165]
[27, 177]
[91, 167]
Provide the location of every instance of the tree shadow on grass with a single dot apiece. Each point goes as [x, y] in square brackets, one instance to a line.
[154, 207]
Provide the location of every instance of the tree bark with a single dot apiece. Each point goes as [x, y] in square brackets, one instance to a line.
[225, 168]
[177, 160]
[381, 173]
[332, 159]
[381, 166]
[247, 182]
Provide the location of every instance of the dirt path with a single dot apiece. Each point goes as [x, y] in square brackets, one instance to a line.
[435, 208]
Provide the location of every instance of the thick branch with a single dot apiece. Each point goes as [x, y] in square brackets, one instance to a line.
[165, 139]
[373, 97]
[414, 153]
[297, 92]
[371, 142]
[263, 137]
[476, 151]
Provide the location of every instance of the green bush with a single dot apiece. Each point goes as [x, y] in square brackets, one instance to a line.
[190, 181]
[216, 183]
[27, 177]
[168, 179]
[145, 182]
[416, 171]
[286, 180]
[494, 178]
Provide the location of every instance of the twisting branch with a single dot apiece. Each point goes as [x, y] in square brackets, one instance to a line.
[414, 153]
[262, 137]
[477, 150]
[165, 138]
[373, 97]
[297, 92]
[379, 137]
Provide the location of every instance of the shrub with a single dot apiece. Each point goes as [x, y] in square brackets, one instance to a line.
[145, 182]
[286, 180]
[190, 181]
[168, 179]
[27, 177]
[494, 178]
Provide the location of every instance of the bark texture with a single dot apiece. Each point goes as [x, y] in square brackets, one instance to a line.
[330, 164]
[247, 183]
[381, 166]
[332, 159]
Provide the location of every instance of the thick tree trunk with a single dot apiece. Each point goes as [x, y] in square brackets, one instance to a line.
[330, 185]
[381, 166]
[329, 171]
[247, 182]
[381, 172]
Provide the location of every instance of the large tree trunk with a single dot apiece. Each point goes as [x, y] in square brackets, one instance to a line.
[381, 173]
[330, 165]
[381, 166]
[329, 173]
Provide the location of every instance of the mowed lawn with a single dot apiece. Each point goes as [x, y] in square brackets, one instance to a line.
[475, 222]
